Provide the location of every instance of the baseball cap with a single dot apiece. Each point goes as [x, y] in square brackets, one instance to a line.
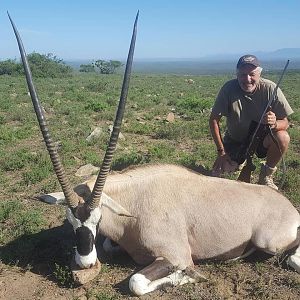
[248, 59]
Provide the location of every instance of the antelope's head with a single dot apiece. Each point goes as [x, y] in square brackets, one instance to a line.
[83, 215]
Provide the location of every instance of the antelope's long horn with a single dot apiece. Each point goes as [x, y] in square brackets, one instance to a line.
[105, 167]
[71, 197]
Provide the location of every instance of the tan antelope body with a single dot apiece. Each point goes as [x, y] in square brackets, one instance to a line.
[166, 216]
[184, 217]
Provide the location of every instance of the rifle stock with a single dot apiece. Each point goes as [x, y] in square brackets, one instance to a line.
[261, 133]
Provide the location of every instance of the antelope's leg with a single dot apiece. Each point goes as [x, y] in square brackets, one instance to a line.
[294, 259]
[159, 274]
[277, 240]
[111, 247]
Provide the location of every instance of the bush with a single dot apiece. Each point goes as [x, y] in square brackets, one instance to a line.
[107, 67]
[16, 160]
[194, 104]
[127, 159]
[41, 65]
[87, 68]
[48, 66]
[10, 67]
[96, 106]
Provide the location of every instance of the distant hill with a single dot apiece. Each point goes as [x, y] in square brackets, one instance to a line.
[209, 65]
[284, 53]
[77, 62]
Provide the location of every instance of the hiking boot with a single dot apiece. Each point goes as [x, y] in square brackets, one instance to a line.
[266, 176]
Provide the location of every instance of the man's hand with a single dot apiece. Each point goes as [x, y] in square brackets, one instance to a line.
[270, 119]
[223, 164]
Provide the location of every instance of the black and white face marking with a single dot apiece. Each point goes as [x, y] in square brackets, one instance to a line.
[84, 224]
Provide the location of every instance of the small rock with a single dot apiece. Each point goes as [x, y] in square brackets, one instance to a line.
[82, 276]
[96, 133]
[77, 159]
[170, 117]
[186, 117]
[86, 170]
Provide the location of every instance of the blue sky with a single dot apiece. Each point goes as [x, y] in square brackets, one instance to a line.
[167, 29]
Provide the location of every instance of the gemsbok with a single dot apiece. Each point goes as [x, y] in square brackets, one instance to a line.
[167, 217]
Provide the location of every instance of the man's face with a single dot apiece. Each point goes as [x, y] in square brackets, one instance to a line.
[248, 77]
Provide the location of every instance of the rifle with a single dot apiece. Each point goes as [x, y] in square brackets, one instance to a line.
[253, 140]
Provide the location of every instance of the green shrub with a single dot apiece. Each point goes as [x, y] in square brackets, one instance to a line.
[8, 209]
[125, 160]
[16, 160]
[29, 222]
[139, 128]
[105, 296]
[96, 106]
[22, 221]
[63, 275]
[40, 170]
[193, 104]
[48, 65]
[87, 68]
[10, 67]
[9, 134]
[161, 152]
[97, 86]
[41, 65]
[169, 131]
[2, 120]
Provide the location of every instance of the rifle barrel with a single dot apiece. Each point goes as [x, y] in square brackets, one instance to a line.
[269, 104]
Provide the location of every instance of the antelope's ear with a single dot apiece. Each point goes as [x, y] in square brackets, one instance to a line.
[58, 198]
[84, 190]
[114, 206]
[53, 198]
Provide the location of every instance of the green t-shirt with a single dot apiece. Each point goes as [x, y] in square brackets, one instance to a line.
[240, 108]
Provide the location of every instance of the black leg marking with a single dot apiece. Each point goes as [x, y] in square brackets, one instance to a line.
[161, 267]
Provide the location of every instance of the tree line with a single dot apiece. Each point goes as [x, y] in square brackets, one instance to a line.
[102, 66]
[49, 65]
[41, 65]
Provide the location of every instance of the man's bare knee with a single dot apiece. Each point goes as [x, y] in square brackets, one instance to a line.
[282, 137]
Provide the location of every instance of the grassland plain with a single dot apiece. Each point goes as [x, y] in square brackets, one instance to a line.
[35, 240]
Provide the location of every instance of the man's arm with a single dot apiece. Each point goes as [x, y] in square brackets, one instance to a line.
[214, 121]
[223, 162]
[275, 124]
